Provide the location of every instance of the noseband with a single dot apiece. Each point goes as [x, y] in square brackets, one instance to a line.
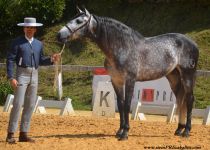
[73, 31]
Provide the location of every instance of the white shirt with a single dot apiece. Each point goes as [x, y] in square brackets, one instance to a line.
[29, 40]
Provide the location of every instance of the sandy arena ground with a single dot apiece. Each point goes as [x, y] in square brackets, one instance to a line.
[84, 132]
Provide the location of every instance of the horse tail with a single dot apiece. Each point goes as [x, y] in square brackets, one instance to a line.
[187, 71]
[189, 53]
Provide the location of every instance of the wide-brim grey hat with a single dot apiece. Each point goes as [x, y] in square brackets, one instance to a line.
[30, 22]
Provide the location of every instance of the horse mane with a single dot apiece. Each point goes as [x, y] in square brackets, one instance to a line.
[116, 33]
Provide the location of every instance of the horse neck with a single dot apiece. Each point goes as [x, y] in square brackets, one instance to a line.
[105, 38]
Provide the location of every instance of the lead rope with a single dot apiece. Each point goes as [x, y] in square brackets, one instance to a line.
[57, 71]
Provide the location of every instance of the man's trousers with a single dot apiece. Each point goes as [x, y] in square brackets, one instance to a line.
[25, 97]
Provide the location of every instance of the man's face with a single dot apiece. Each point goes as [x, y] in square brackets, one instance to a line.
[29, 31]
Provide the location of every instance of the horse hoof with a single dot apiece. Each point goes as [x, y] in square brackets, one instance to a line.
[119, 133]
[123, 138]
[178, 133]
[186, 133]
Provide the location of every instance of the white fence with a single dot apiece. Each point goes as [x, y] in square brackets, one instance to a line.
[75, 68]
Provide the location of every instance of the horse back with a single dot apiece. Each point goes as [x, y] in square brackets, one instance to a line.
[161, 54]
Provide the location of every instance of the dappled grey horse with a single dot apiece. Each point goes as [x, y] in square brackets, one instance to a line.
[130, 57]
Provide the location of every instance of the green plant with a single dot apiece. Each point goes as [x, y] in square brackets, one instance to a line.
[5, 89]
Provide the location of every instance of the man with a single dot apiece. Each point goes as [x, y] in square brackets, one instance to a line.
[27, 53]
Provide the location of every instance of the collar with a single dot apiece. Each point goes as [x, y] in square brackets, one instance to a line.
[29, 40]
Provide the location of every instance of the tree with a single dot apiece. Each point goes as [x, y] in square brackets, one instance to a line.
[13, 11]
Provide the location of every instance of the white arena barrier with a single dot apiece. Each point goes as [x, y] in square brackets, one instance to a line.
[149, 95]
[96, 80]
[64, 106]
[104, 104]
[9, 102]
[99, 74]
[206, 120]
[169, 111]
[154, 97]
[155, 92]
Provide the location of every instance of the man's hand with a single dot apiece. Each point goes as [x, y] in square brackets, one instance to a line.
[13, 83]
[55, 57]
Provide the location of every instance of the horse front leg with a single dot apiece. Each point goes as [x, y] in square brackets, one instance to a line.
[120, 104]
[129, 88]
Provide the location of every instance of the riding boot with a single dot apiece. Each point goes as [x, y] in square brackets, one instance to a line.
[10, 138]
[24, 138]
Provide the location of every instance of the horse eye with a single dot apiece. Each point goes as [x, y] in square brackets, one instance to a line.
[78, 21]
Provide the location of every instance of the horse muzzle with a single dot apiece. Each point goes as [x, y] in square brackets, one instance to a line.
[62, 38]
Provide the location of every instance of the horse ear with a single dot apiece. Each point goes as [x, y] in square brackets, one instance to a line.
[93, 26]
[87, 12]
[79, 10]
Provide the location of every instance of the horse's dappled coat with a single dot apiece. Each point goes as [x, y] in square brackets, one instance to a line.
[130, 57]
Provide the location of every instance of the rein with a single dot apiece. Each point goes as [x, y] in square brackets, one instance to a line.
[62, 49]
[58, 71]
[58, 64]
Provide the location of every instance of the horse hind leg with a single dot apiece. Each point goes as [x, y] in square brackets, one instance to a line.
[174, 79]
[188, 80]
[181, 109]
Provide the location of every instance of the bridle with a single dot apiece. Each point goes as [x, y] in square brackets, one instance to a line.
[74, 30]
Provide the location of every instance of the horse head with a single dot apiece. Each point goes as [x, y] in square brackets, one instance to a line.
[77, 27]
